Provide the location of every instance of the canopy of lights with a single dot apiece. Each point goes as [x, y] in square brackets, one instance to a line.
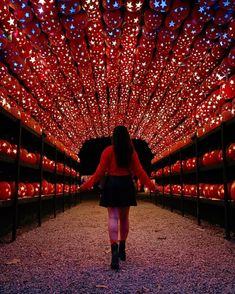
[77, 68]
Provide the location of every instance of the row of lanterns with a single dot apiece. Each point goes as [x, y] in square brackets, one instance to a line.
[79, 70]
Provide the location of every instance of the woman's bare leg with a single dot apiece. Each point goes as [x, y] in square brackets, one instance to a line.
[113, 215]
[124, 222]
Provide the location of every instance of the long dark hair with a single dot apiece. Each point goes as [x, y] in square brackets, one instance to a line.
[122, 145]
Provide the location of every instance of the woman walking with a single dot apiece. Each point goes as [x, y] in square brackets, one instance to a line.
[118, 163]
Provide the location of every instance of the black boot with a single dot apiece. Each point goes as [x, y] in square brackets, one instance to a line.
[115, 258]
[122, 252]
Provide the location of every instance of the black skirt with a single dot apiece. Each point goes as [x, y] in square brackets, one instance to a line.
[118, 191]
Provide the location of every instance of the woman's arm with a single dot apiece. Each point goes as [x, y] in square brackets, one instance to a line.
[100, 171]
[140, 172]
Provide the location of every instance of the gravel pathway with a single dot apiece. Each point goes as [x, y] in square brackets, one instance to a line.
[166, 253]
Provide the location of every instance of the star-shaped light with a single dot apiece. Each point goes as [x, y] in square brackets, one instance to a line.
[129, 5]
[156, 4]
[115, 4]
[226, 3]
[32, 59]
[163, 4]
[201, 9]
[172, 23]
[138, 5]
[40, 10]
[11, 21]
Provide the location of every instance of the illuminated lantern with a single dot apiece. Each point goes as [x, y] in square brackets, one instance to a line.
[231, 30]
[44, 187]
[171, 23]
[59, 188]
[202, 13]
[206, 159]
[31, 158]
[69, 7]
[149, 33]
[231, 57]
[23, 154]
[18, 3]
[9, 23]
[3, 71]
[205, 190]
[112, 4]
[44, 12]
[230, 152]
[57, 39]
[75, 22]
[160, 6]
[3, 95]
[51, 188]
[112, 35]
[133, 5]
[180, 10]
[213, 191]
[5, 191]
[213, 31]
[222, 17]
[51, 26]
[227, 4]
[217, 51]
[40, 43]
[4, 9]
[42, 2]
[26, 51]
[75, 35]
[112, 19]
[31, 29]
[227, 90]
[17, 65]
[221, 191]
[207, 2]
[29, 190]
[36, 187]
[152, 19]
[192, 26]
[5, 148]
[226, 115]
[232, 190]
[59, 167]
[14, 151]
[225, 41]
[132, 18]
[22, 190]
[3, 40]
[214, 157]
[23, 15]
[167, 35]
[193, 190]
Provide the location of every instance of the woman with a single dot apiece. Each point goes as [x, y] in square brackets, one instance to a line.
[119, 162]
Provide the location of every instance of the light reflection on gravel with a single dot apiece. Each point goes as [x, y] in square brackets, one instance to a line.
[166, 253]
